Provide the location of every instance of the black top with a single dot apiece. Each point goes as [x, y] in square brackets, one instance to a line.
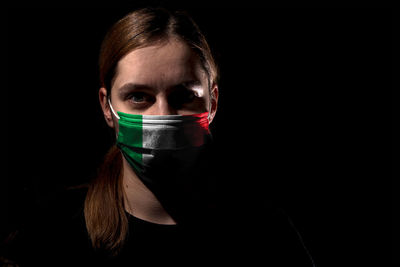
[58, 237]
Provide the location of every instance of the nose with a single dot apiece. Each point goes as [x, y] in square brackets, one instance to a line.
[163, 107]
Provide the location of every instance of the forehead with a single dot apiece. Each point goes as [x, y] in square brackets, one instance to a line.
[159, 66]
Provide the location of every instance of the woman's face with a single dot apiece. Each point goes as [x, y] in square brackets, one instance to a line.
[165, 79]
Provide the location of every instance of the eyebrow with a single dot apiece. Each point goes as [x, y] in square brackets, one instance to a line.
[191, 83]
[128, 87]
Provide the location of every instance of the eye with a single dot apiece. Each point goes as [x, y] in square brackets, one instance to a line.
[181, 97]
[138, 97]
[187, 96]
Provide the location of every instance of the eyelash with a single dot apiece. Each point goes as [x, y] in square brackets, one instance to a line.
[142, 95]
[183, 97]
[138, 95]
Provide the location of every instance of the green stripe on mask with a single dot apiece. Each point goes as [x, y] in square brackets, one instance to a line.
[132, 124]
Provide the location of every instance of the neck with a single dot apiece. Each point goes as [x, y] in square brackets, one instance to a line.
[140, 201]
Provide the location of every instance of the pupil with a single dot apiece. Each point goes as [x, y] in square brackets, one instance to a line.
[138, 97]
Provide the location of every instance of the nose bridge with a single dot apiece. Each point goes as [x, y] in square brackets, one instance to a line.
[164, 107]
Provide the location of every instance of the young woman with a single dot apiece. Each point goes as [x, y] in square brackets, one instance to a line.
[151, 202]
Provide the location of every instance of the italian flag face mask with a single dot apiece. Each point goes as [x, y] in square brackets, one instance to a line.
[163, 150]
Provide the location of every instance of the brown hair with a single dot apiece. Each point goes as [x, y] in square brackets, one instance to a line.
[105, 216]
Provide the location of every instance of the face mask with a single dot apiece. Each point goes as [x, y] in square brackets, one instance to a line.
[167, 152]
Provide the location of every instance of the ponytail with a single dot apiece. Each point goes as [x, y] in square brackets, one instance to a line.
[105, 217]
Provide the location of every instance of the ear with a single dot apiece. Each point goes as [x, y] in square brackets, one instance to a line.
[214, 102]
[103, 98]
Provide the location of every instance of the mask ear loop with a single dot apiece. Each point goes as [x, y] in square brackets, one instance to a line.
[112, 110]
[209, 113]
[210, 102]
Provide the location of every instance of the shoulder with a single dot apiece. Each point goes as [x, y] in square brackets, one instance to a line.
[52, 230]
[61, 208]
[67, 201]
[262, 231]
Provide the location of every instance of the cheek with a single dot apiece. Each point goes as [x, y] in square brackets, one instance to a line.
[116, 125]
[116, 128]
[202, 104]
[207, 99]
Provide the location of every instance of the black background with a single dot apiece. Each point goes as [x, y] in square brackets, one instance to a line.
[304, 107]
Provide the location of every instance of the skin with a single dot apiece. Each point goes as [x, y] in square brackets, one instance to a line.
[162, 79]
